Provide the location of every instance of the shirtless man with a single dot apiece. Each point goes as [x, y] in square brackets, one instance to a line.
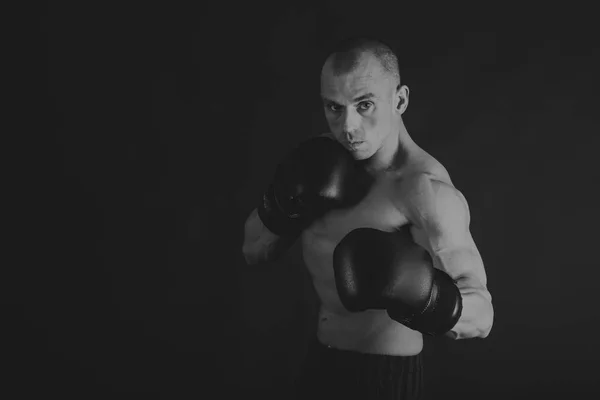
[352, 214]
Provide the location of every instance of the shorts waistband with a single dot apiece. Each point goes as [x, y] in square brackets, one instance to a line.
[328, 349]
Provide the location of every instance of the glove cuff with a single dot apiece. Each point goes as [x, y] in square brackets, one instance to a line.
[443, 309]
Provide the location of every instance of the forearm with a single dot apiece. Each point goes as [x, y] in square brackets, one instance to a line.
[261, 245]
[265, 251]
[477, 315]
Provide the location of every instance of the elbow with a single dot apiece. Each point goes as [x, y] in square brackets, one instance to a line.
[486, 323]
[484, 332]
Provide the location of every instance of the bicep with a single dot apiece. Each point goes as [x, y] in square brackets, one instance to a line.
[442, 213]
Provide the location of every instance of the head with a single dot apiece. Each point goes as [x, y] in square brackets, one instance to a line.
[363, 97]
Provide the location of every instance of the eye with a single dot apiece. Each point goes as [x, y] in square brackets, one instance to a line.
[334, 107]
[365, 105]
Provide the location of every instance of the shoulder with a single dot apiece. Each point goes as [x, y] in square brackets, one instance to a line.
[426, 193]
[419, 173]
[437, 212]
[423, 163]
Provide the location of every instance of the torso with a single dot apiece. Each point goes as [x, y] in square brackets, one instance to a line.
[371, 331]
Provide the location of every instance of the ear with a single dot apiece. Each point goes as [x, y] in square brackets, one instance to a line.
[401, 98]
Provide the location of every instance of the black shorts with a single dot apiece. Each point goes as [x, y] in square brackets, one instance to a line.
[330, 373]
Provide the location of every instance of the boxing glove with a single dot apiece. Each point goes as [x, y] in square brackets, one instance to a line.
[389, 271]
[314, 178]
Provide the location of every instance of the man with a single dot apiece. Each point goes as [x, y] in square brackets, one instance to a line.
[385, 236]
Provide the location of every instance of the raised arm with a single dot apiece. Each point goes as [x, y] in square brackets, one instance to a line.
[316, 177]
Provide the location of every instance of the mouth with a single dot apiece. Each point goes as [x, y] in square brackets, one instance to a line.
[353, 142]
[355, 145]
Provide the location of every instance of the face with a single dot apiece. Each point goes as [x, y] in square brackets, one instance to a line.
[361, 107]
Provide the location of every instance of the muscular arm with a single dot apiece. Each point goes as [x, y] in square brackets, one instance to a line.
[478, 313]
[440, 218]
[260, 244]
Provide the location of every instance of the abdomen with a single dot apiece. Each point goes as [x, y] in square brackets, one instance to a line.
[318, 257]
[371, 331]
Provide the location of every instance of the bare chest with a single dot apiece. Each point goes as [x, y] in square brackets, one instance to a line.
[377, 210]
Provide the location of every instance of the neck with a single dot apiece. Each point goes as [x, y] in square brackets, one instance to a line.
[394, 151]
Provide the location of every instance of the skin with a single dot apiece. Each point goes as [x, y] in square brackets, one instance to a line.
[366, 105]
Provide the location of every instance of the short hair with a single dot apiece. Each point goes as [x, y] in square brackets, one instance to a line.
[345, 55]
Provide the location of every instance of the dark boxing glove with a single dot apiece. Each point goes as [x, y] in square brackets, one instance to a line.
[380, 270]
[315, 177]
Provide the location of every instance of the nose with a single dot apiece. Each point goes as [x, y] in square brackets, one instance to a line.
[350, 124]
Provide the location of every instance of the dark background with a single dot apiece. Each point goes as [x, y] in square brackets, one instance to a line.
[162, 126]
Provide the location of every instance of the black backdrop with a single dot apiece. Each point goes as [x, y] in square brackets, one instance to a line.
[161, 129]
